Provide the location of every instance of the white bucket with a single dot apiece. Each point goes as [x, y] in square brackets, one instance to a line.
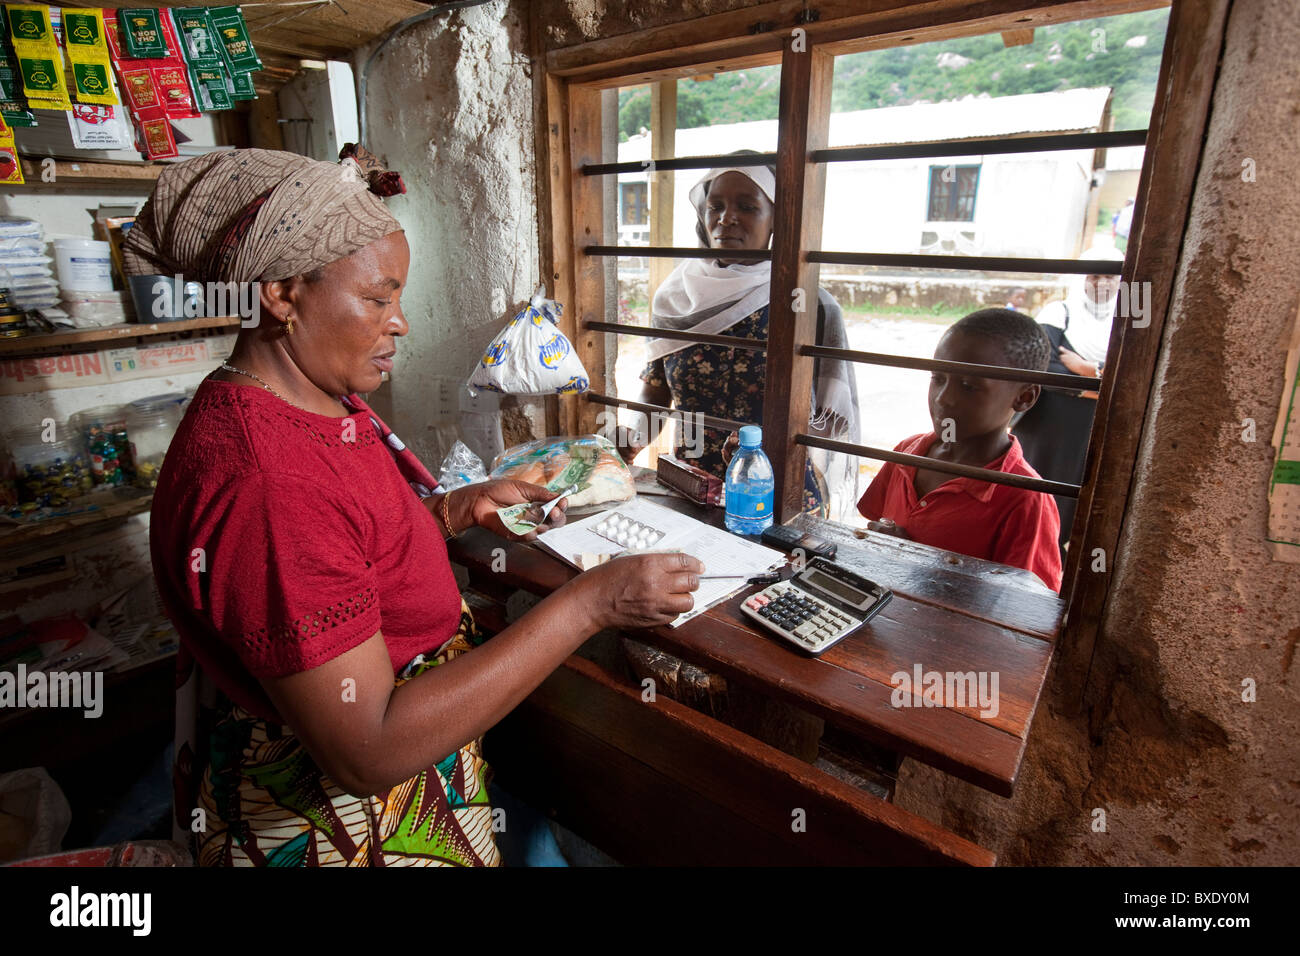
[84, 265]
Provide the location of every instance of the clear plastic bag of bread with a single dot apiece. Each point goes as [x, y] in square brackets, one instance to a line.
[589, 461]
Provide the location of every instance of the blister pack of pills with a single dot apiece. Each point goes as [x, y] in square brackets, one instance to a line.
[631, 534]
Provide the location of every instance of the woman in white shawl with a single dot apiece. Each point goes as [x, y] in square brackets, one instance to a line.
[730, 297]
[1054, 433]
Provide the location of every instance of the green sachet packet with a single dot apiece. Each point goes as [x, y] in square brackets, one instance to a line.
[210, 86]
[13, 104]
[244, 87]
[199, 42]
[142, 34]
[30, 25]
[229, 22]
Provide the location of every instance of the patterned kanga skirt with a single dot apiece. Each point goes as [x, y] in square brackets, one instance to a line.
[258, 798]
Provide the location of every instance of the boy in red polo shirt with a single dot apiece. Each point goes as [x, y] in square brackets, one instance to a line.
[971, 416]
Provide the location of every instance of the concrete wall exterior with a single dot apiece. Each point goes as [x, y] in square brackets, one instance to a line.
[1185, 771]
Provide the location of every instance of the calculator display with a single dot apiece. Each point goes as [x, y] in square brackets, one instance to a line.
[836, 587]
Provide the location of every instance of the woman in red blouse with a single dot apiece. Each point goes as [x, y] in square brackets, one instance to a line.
[328, 711]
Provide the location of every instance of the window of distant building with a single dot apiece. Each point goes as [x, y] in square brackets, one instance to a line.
[952, 193]
[633, 202]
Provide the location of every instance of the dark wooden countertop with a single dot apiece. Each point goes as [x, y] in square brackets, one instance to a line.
[950, 613]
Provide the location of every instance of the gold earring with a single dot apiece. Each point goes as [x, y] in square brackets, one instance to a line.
[288, 324]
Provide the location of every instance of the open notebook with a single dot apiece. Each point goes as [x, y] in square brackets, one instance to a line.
[720, 551]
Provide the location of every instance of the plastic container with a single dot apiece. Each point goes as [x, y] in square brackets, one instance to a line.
[95, 308]
[151, 424]
[49, 474]
[751, 486]
[104, 440]
[84, 265]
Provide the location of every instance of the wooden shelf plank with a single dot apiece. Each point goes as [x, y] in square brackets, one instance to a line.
[89, 172]
[127, 502]
[37, 342]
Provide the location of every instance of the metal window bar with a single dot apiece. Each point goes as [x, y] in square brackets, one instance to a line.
[980, 147]
[1048, 379]
[1002, 373]
[722, 424]
[1084, 267]
[702, 338]
[946, 467]
[841, 154]
[857, 154]
[675, 252]
[865, 451]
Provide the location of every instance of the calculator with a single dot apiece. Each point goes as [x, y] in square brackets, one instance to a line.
[818, 607]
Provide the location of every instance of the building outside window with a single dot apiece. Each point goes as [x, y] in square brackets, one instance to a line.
[952, 193]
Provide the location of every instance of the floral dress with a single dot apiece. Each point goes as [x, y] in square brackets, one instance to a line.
[725, 383]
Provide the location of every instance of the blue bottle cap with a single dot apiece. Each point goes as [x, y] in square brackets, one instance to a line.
[751, 436]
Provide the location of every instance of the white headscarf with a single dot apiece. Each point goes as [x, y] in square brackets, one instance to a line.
[1086, 321]
[702, 296]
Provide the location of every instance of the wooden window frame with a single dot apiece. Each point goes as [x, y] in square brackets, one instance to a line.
[805, 43]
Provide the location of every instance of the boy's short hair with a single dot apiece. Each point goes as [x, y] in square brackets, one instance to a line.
[1024, 343]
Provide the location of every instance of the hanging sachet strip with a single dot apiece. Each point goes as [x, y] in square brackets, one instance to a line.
[204, 58]
[233, 32]
[141, 32]
[11, 170]
[13, 104]
[40, 62]
[153, 131]
[92, 69]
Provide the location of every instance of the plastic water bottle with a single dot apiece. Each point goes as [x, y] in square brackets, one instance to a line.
[750, 486]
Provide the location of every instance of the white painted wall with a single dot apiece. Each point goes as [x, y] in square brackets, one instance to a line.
[318, 108]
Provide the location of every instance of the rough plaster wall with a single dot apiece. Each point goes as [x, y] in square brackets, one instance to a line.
[1186, 772]
[566, 22]
[451, 109]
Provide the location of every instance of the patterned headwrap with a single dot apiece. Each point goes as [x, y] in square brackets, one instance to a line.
[255, 214]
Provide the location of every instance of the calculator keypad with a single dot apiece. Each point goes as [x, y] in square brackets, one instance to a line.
[806, 621]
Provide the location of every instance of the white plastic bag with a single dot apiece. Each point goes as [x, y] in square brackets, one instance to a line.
[531, 356]
[34, 814]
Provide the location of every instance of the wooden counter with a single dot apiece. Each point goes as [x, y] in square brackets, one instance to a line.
[950, 613]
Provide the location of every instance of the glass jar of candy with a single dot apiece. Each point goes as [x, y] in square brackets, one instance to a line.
[106, 443]
[152, 423]
[49, 474]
